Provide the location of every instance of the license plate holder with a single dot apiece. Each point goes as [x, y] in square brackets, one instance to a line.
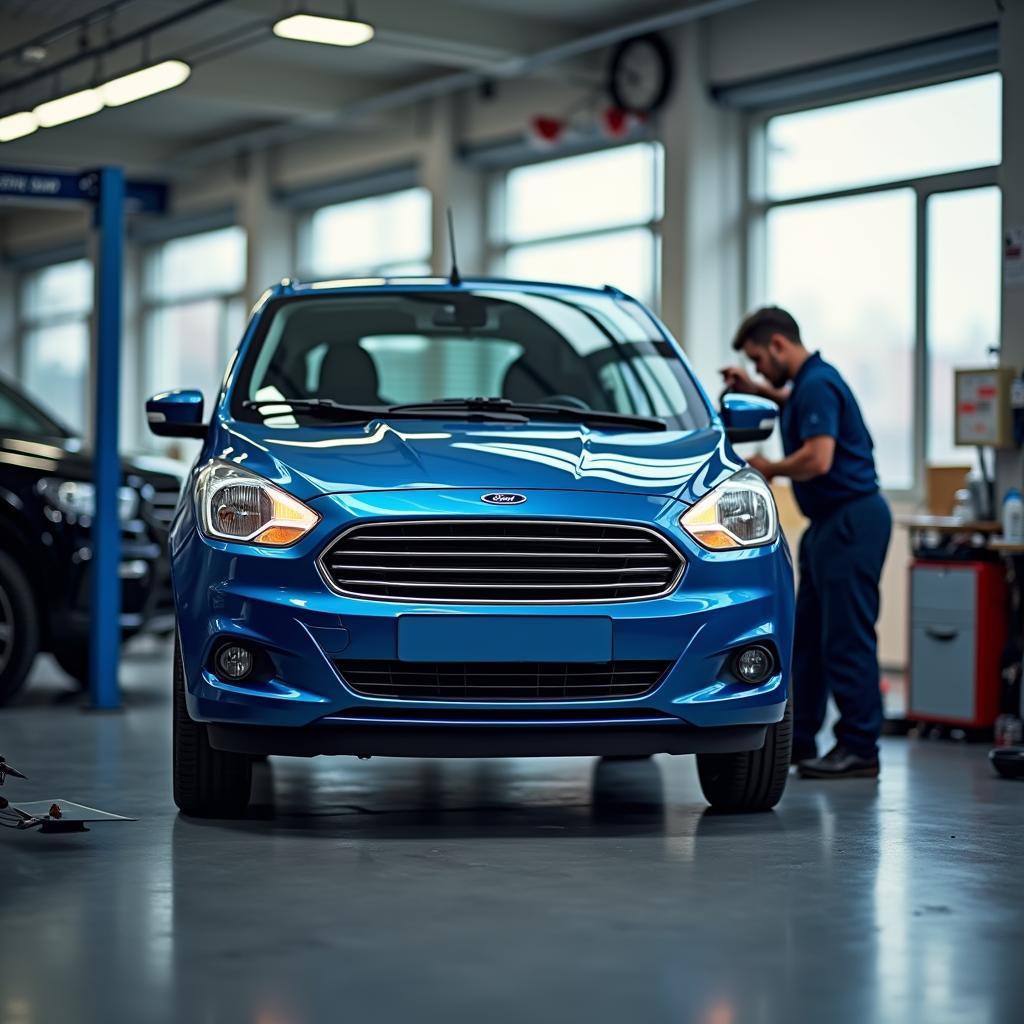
[481, 638]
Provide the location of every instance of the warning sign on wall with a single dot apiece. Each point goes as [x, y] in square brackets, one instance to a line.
[983, 407]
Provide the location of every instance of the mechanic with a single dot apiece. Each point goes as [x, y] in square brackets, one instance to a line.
[829, 458]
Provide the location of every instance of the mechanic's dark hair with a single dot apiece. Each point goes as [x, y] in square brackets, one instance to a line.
[760, 325]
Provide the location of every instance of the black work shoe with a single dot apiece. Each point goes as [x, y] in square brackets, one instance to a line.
[839, 763]
[803, 754]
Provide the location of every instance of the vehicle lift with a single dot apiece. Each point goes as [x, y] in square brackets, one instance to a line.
[107, 192]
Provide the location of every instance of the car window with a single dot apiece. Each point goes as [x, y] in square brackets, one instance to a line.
[458, 366]
[20, 416]
[597, 352]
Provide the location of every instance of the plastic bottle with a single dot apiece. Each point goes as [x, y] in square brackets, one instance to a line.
[1013, 515]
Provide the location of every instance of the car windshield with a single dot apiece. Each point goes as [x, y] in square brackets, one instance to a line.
[587, 354]
[20, 415]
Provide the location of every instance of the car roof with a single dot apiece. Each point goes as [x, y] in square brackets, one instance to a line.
[433, 283]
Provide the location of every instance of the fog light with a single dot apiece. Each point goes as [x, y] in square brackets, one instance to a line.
[754, 664]
[234, 661]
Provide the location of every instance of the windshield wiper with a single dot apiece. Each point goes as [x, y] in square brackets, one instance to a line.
[337, 412]
[538, 411]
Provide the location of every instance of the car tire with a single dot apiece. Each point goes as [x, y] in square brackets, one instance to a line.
[752, 780]
[19, 628]
[208, 783]
[74, 660]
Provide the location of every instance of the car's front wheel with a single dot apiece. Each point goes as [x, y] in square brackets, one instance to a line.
[752, 780]
[208, 783]
[73, 658]
[19, 628]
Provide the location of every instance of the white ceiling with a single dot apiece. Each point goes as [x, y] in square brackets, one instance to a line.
[270, 82]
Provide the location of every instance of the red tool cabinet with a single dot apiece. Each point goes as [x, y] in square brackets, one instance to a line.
[957, 635]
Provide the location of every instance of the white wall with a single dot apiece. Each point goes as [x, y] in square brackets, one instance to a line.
[8, 324]
[1012, 182]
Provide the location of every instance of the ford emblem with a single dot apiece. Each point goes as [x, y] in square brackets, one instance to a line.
[503, 498]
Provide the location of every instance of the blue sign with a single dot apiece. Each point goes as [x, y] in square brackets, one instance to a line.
[47, 184]
[26, 183]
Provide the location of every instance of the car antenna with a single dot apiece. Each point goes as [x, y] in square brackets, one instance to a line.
[454, 278]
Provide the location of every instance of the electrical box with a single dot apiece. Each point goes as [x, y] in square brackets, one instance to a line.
[983, 409]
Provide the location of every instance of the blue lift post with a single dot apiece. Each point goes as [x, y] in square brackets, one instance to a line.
[107, 191]
[105, 620]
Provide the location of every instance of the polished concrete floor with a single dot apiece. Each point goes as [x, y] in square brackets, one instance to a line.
[501, 891]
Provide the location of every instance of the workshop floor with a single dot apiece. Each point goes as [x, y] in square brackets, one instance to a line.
[501, 890]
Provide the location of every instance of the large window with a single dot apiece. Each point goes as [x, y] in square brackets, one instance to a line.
[963, 303]
[56, 303]
[845, 268]
[194, 312]
[882, 238]
[591, 219]
[903, 135]
[387, 236]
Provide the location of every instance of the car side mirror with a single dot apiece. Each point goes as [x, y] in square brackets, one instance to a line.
[748, 418]
[176, 414]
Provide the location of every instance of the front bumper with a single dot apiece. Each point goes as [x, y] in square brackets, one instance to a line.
[627, 740]
[278, 601]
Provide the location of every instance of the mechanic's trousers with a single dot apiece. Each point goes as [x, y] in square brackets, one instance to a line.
[835, 649]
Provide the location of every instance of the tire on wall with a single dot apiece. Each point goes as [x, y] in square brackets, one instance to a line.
[19, 628]
[208, 783]
[752, 780]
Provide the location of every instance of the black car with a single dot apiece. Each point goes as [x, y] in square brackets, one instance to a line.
[46, 509]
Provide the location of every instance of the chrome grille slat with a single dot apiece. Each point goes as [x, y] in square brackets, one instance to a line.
[531, 537]
[162, 506]
[465, 561]
[514, 554]
[503, 569]
[487, 681]
[500, 586]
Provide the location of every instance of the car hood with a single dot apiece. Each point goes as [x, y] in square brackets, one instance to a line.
[311, 462]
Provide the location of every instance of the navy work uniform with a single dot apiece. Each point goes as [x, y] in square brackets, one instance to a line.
[841, 554]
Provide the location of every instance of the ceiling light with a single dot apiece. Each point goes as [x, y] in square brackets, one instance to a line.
[139, 84]
[69, 108]
[311, 28]
[16, 126]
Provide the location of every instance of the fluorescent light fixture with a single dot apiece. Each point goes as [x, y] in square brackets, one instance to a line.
[311, 28]
[139, 84]
[69, 108]
[16, 126]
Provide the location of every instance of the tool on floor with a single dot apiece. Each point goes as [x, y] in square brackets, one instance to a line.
[50, 816]
[1008, 761]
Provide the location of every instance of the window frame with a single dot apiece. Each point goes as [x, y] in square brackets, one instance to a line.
[497, 244]
[150, 305]
[26, 324]
[757, 205]
[302, 232]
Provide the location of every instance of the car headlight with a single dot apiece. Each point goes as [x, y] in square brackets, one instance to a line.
[739, 513]
[77, 498]
[236, 505]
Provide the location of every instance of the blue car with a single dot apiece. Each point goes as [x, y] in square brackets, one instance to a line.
[482, 518]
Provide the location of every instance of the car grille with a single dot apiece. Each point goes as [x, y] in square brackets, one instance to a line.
[502, 680]
[162, 506]
[504, 561]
